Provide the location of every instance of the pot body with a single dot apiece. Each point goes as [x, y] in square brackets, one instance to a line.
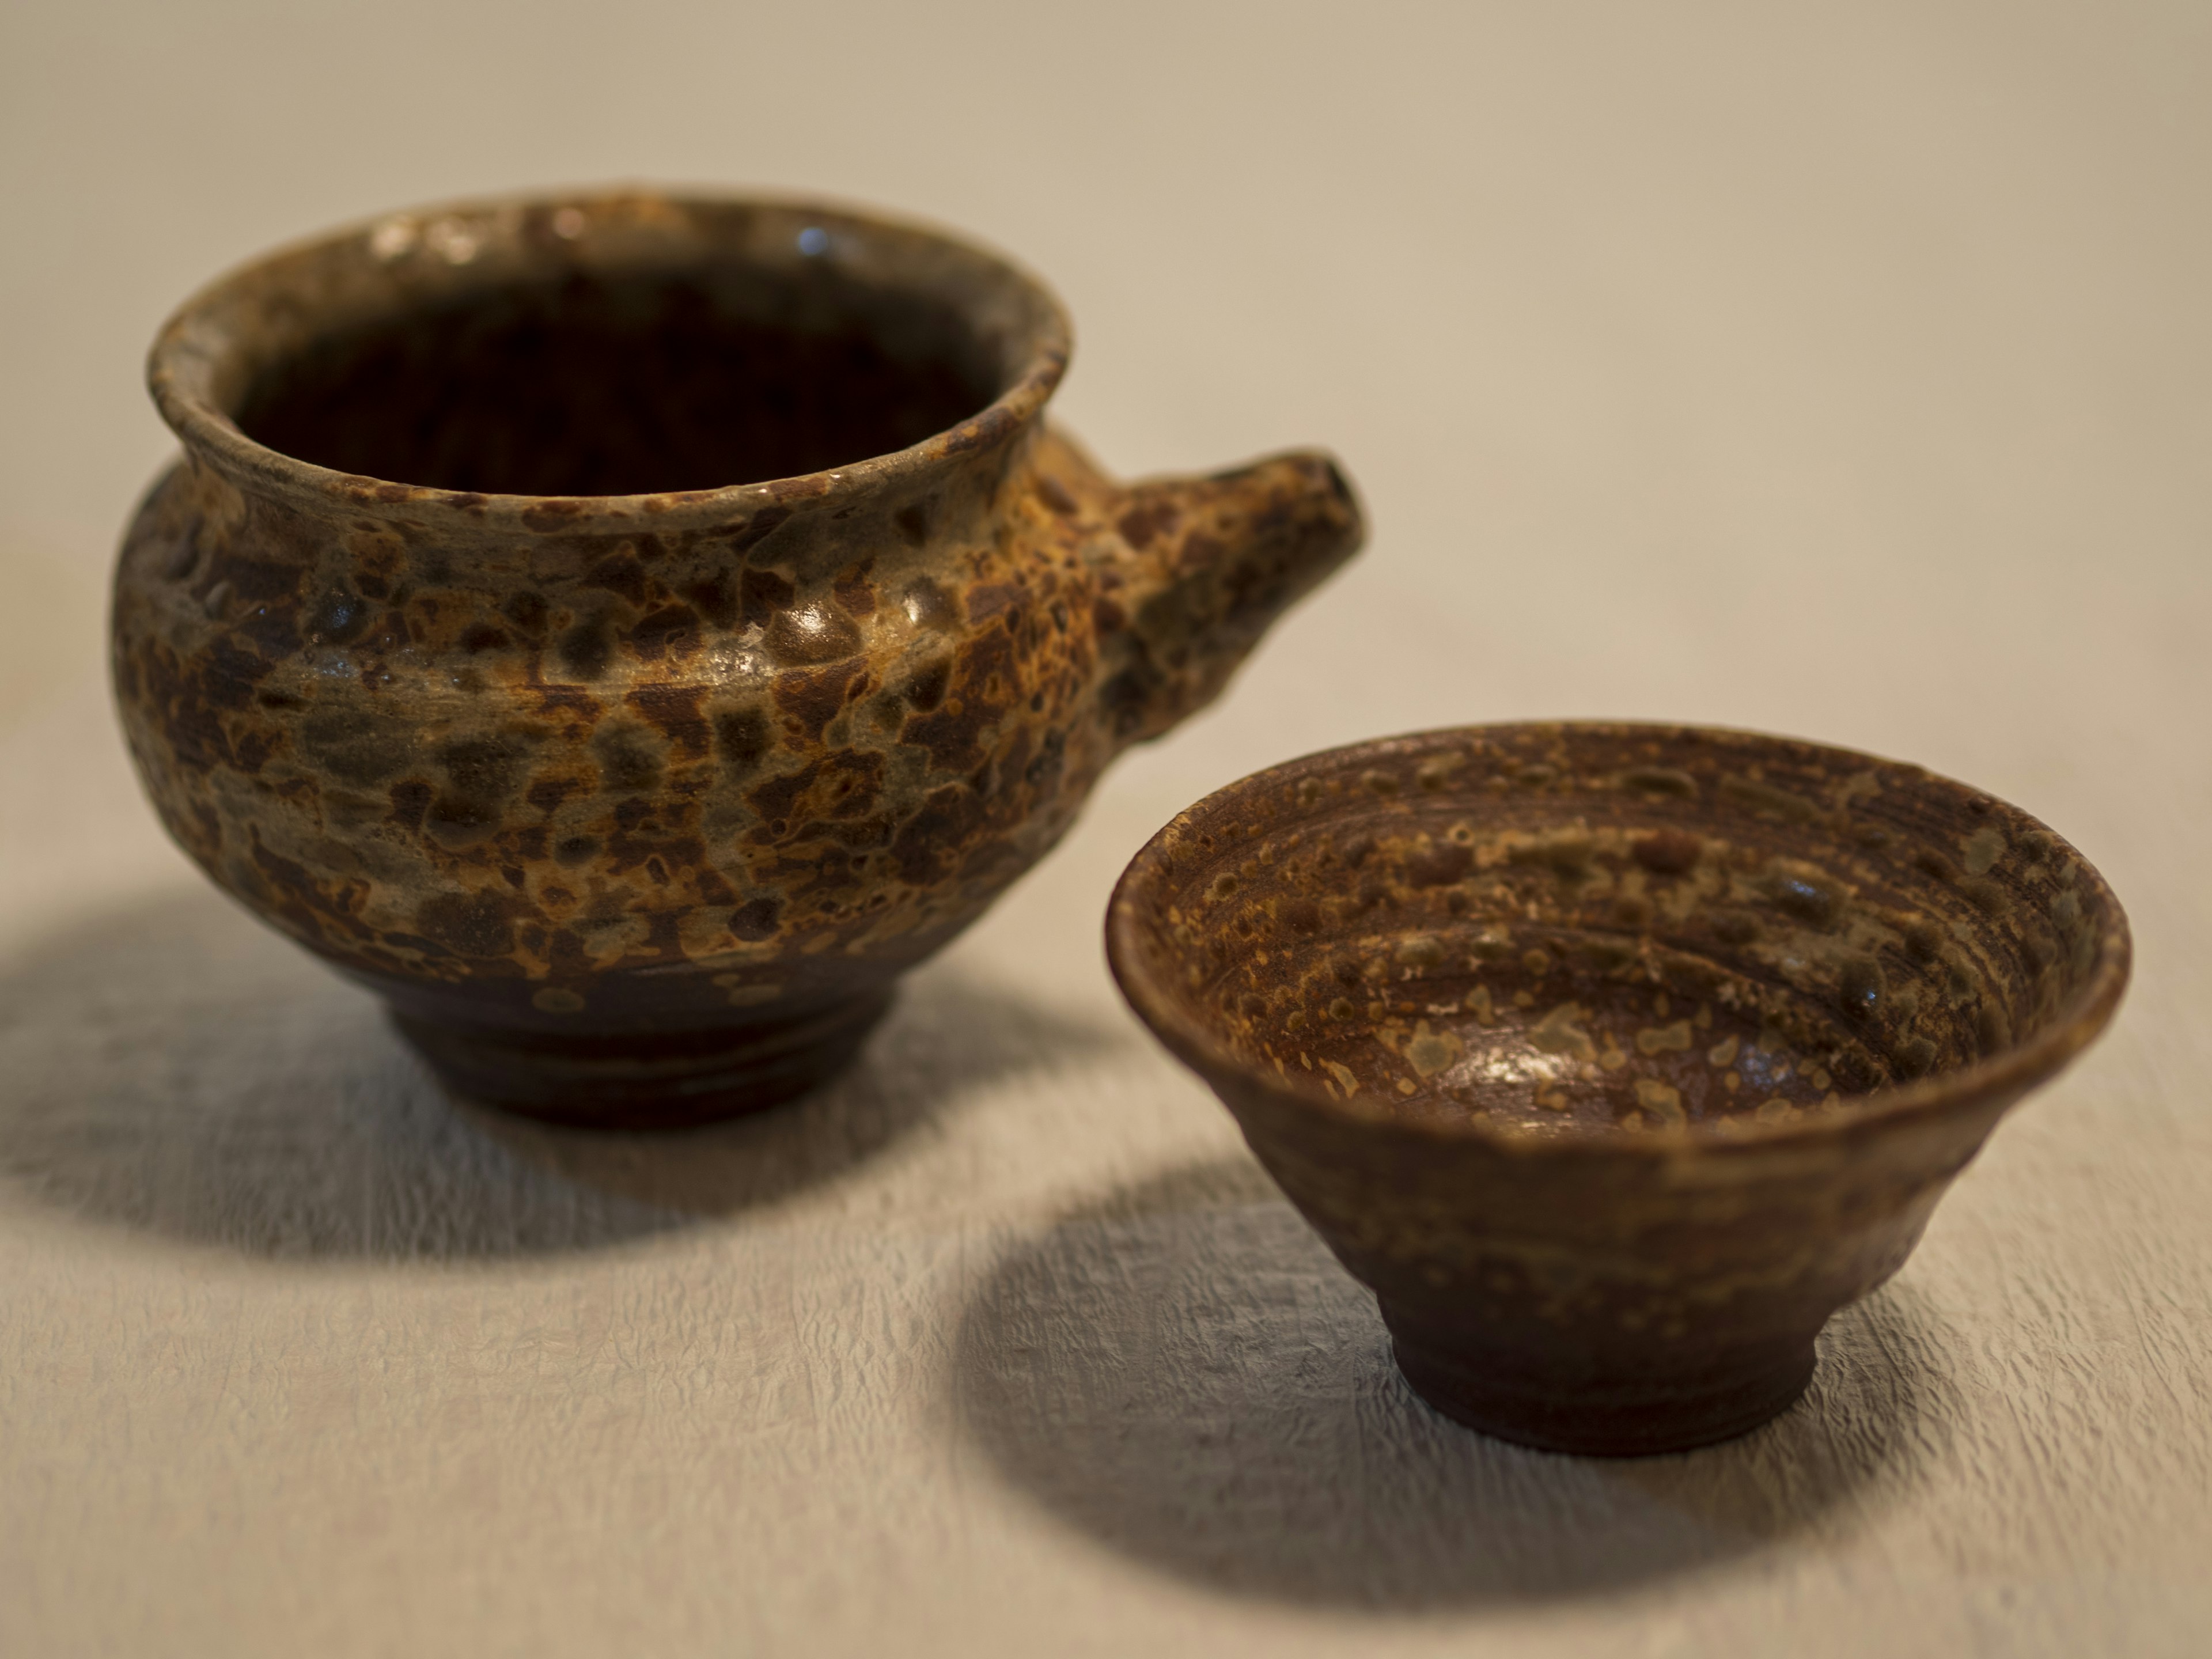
[633, 808]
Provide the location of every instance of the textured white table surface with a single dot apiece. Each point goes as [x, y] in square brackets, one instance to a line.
[1848, 375]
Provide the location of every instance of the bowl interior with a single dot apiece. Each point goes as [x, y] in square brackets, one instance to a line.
[1609, 931]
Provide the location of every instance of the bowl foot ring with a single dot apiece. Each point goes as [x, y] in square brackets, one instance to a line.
[1606, 1418]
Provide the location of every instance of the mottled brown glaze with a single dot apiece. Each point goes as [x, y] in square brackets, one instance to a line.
[1614, 1058]
[455, 646]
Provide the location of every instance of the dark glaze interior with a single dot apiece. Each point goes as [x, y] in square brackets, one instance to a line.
[624, 383]
[1615, 931]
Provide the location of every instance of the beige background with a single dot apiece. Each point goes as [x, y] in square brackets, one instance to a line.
[1841, 370]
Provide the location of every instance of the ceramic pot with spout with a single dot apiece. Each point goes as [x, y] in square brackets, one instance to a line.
[626, 632]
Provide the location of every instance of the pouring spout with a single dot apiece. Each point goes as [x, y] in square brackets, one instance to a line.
[1205, 566]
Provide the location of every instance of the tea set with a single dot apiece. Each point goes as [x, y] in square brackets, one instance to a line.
[1613, 1058]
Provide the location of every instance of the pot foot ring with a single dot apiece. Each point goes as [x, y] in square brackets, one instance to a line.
[1630, 1416]
[644, 1080]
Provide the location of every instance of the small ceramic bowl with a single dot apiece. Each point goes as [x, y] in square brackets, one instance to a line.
[1614, 1058]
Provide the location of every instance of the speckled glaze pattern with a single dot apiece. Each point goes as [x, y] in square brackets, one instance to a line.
[1614, 1058]
[634, 806]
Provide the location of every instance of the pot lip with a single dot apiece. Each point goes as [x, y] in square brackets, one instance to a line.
[192, 344]
[1997, 1080]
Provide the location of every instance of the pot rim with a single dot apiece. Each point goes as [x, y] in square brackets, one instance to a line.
[1997, 1078]
[204, 335]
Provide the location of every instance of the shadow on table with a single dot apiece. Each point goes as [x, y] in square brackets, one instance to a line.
[1186, 1374]
[177, 1067]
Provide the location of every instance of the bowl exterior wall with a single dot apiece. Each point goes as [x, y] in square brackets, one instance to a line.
[1613, 1303]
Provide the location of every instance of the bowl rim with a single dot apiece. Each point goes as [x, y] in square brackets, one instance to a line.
[2002, 1077]
[182, 362]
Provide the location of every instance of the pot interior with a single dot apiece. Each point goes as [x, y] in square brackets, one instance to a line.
[1613, 931]
[596, 383]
